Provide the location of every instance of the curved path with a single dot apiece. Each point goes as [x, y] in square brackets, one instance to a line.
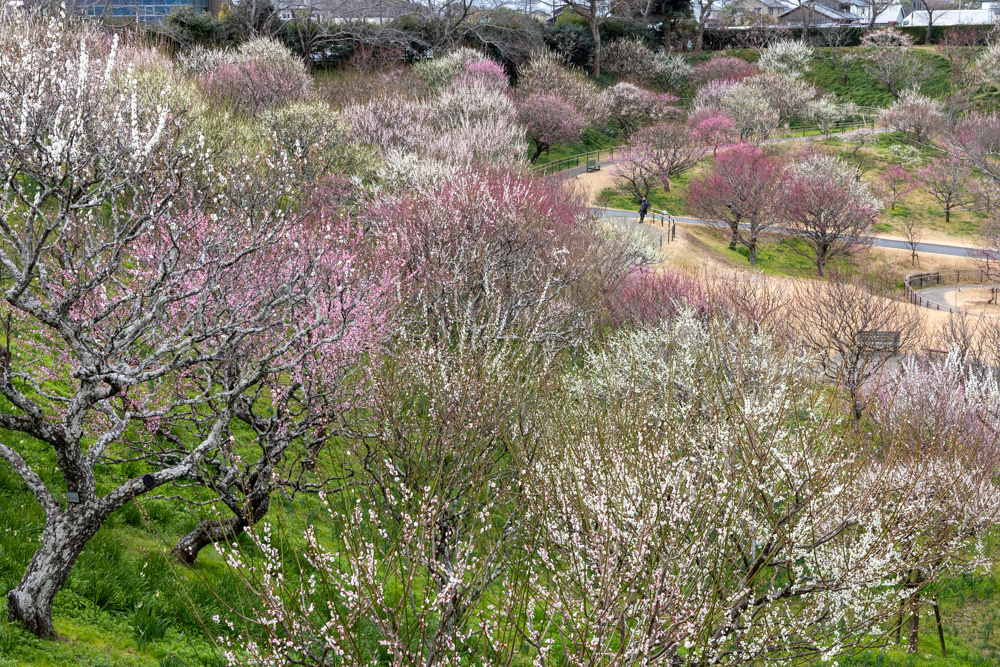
[938, 296]
[929, 248]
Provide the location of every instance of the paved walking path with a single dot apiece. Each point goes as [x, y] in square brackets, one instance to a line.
[929, 248]
[938, 296]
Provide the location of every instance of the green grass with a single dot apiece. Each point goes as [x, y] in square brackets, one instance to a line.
[592, 140]
[127, 602]
[864, 90]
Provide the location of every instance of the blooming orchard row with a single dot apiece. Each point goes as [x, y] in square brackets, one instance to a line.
[527, 442]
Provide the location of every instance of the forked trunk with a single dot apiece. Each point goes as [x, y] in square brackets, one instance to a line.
[63, 540]
[205, 533]
[225, 530]
[539, 147]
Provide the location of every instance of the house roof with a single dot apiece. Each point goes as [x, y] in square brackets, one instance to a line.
[953, 17]
[828, 12]
[891, 14]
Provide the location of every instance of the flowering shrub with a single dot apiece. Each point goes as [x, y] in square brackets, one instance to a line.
[487, 72]
[631, 107]
[674, 436]
[789, 58]
[917, 116]
[261, 74]
[827, 113]
[628, 59]
[886, 38]
[710, 95]
[672, 70]
[722, 68]
[631, 60]
[645, 298]
[550, 120]
[945, 403]
[751, 112]
[545, 74]
[437, 73]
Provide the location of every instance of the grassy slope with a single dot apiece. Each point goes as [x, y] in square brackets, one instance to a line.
[864, 90]
[125, 587]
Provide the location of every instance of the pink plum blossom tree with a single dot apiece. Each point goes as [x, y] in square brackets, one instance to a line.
[743, 193]
[550, 120]
[896, 183]
[712, 127]
[828, 209]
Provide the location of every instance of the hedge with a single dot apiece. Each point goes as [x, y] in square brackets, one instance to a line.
[717, 39]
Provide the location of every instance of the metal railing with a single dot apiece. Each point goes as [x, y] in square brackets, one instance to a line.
[654, 217]
[573, 161]
[915, 281]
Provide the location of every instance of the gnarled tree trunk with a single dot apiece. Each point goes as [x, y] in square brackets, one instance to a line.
[63, 540]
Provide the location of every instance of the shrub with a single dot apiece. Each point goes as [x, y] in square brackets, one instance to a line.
[437, 73]
[723, 68]
[545, 74]
[487, 72]
[790, 58]
[262, 74]
[628, 59]
[631, 107]
[672, 70]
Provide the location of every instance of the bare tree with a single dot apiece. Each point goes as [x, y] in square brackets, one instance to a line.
[913, 233]
[834, 316]
[703, 10]
[932, 7]
[835, 50]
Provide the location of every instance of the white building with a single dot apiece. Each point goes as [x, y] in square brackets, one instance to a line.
[982, 16]
[890, 16]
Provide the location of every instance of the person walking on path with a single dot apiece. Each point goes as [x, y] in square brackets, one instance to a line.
[643, 208]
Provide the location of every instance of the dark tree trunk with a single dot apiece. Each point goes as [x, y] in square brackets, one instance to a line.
[63, 540]
[914, 616]
[539, 147]
[937, 617]
[205, 533]
[225, 530]
[752, 253]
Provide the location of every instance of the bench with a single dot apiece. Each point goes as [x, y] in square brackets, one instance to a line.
[879, 341]
[593, 166]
